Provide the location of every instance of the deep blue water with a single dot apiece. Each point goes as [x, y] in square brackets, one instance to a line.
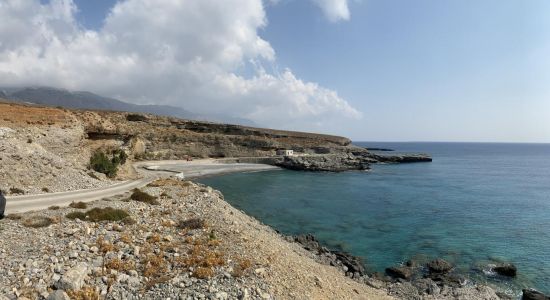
[474, 204]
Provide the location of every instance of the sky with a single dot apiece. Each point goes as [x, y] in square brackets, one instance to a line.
[377, 70]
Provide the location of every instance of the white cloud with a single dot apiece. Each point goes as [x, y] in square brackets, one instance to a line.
[335, 10]
[183, 53]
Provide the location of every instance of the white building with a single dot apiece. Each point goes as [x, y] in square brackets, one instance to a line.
[285, 152]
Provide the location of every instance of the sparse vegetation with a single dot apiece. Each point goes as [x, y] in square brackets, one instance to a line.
[86, 293]
[136, 118]
[194, 223]
[99, 214]
[242, 264]
[107, 163]
[78, 205]
[54, 207]
[38, 222]
[138, 195]
[13, 217]
[15, 190]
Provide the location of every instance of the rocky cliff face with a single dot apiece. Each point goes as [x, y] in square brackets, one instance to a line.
[46, 148]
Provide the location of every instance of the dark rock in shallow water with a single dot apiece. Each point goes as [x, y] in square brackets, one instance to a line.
[439, 266]
[309, 242]
[506, 270]
[351, 263]
[530, 294]
[400, 272]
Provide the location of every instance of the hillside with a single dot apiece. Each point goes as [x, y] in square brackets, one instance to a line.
[49, 148]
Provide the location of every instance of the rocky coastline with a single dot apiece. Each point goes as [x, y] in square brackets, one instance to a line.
[185, 242]
[435, 279]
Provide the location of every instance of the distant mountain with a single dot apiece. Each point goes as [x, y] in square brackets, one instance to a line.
[85, 100]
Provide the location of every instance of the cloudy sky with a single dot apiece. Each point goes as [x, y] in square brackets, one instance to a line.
[424, 70]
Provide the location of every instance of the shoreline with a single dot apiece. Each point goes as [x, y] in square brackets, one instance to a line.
[274, 268]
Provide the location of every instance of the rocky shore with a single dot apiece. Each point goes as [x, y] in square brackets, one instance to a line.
[435, 279]
[185, 242]
[346, 161]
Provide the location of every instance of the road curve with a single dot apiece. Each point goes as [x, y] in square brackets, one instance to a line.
[19, 204]
[150, 170]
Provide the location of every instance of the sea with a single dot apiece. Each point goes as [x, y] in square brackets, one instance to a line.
[475, 205]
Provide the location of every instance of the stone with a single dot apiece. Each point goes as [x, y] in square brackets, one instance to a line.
[439, 266]
[530, 294]
[508, 270]
[58, 295]
[73, 279]
[399, 272]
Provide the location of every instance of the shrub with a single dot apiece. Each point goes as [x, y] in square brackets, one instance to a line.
[37, 222]
[13, 217]
[45, 190]
[136, 118]
[14, 190]
[194, 223]
[86, 293]
[76, 215]
[54, 207]
[138, 195]
[99, 214]
[99, 162]
[79, 205]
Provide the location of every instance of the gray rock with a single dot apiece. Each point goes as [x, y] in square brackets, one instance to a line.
[400, 272]
[439, 266]
[530, 294]
[58, 295]
[74, 278]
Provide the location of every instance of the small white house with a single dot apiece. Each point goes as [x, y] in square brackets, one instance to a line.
[285, 152]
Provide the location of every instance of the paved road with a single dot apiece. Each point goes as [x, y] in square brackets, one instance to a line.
[149, 171]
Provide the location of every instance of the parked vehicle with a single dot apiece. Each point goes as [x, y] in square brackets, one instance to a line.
[2, 204]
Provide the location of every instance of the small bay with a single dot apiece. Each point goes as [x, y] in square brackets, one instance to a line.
[475, 204]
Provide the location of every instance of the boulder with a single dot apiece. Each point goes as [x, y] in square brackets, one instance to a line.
[506, 270]
[530, 294]
[353, 263]
[309, 242]
[73, 278]
[439, 266]
[399, 272]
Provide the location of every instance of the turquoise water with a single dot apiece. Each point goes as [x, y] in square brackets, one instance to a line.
[474, 204]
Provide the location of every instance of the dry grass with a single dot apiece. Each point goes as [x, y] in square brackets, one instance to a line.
[86, 293]
[241, 265]
[105, 246]
[79, 205]
[38, 222]
[203, 259]
[14, 217]
[126, 238]
[154, 238]
[120, 265]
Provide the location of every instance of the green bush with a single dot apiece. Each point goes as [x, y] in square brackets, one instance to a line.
[141, 196]
[99, 214]
[102, 163]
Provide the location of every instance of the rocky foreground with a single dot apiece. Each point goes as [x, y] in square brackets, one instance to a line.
[188, 243]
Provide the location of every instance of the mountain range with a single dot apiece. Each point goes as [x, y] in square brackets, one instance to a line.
[49, 96]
